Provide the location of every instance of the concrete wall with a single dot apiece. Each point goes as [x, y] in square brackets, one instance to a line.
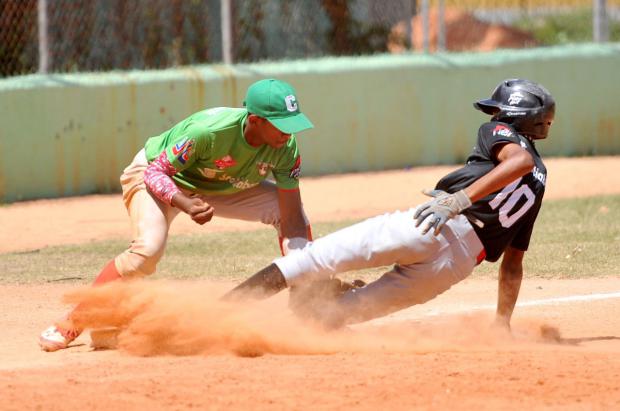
[72, 134]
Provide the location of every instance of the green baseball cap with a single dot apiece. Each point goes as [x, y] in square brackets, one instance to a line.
[276, 101]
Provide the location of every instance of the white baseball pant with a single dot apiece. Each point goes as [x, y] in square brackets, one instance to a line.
[425, 265]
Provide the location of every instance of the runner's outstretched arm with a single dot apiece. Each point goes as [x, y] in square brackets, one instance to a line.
[510, 276]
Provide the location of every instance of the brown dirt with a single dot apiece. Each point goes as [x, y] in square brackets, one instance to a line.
[183, 349]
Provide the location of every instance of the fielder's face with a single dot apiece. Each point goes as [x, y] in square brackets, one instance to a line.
[268, 134]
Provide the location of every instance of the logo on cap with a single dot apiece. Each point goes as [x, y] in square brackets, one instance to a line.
[291, 103]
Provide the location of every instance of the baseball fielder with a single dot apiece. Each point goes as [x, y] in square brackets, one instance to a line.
[482, 211]
[215, 161]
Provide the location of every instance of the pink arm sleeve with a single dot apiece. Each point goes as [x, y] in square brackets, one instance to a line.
[157, 178]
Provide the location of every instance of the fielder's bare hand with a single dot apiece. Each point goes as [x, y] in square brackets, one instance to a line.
[440, 209]
[199, 210]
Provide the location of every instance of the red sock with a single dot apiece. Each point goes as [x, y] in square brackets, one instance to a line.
[107, 274]
[281, 242]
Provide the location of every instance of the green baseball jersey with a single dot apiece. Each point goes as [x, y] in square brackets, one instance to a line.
[211, 155]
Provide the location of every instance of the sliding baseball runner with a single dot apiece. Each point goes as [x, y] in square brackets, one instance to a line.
[484, 210]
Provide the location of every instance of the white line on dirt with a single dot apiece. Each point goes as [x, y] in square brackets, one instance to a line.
[587, 297]
[435, 312]
[533, 303]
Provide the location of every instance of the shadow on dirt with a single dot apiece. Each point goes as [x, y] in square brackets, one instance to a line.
[577, 341]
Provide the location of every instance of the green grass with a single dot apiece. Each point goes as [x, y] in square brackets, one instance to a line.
[575, 238]
[569, 27]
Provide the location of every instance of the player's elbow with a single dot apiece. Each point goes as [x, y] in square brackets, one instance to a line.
[524, 162]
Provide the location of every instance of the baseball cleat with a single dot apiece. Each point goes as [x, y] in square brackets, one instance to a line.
[55, 338]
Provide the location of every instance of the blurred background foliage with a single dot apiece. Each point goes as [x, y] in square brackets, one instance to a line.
[563, 28]
[101, 35]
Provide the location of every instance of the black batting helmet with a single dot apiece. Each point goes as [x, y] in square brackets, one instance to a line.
[526, 105]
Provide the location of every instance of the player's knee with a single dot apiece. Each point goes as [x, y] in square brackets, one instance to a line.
[136, 265]
[140, 261]
[152, 250]
[420, 294]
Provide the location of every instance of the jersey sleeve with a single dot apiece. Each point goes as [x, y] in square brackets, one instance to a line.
[157, 179]
[493, 134]
[191, 144]
[287, 171]
[521, 241]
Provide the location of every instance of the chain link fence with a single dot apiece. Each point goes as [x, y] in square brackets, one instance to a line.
[99, 35]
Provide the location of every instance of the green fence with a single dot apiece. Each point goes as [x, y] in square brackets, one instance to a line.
[73, 134]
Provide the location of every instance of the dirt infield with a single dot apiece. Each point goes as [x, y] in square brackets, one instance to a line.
[184, 350]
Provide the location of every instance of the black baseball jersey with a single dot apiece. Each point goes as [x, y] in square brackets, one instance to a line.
[507, 216]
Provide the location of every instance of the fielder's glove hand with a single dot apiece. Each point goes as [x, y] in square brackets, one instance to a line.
[440, 209]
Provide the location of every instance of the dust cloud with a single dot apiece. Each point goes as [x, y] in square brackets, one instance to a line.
[189, 318]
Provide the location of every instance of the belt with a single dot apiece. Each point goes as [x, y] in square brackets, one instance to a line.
[481, 256]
